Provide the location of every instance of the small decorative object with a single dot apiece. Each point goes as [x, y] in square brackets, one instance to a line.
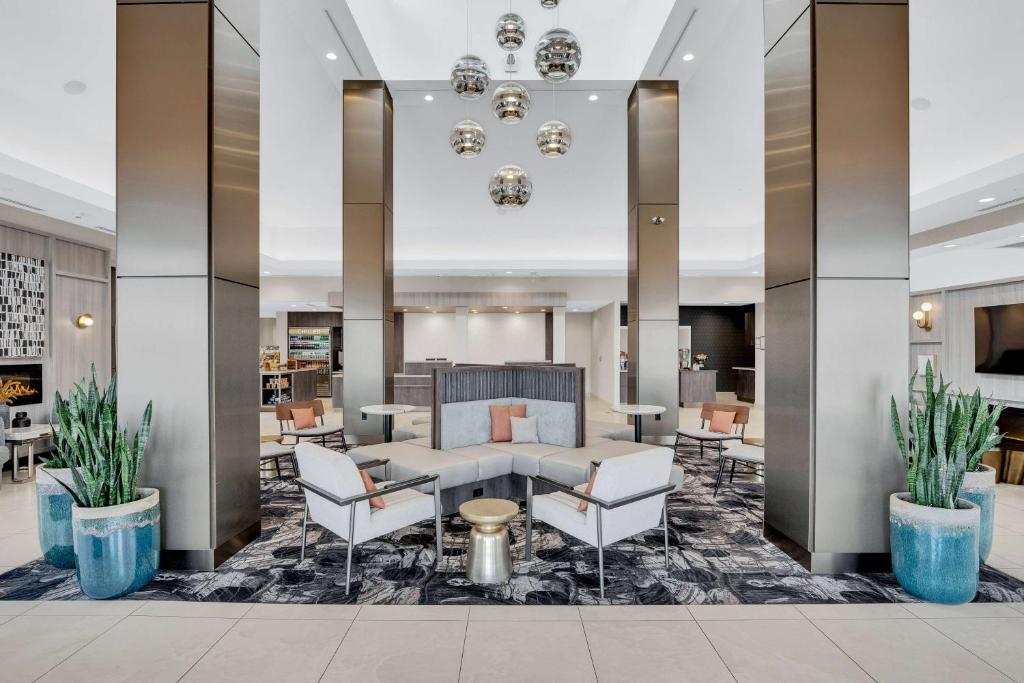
[554, 139]
[979, 485]
[510, 32]
[12, 389]
[699, 359]
[85, 320]
[21, 420]
[470, 77]
[510, 187]
[558, 56]
[549, 4]
[510, 102]
[467, 138]
[934, 533]
[115, 523]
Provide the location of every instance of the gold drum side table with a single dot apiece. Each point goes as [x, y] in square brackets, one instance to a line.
[489, 558]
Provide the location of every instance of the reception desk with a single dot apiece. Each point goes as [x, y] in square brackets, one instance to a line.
[698, 386]
[745, 384]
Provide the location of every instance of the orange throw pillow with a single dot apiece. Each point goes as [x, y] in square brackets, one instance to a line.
[377, 501]
[303, 418]
[501, 423]
[582, 507]
[721, 422]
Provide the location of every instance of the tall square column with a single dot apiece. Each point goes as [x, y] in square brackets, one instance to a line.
[653, 290]
[836, 275]
[367, 272]
[188, 268]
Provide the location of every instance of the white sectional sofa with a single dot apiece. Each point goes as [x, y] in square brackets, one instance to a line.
[456, 444]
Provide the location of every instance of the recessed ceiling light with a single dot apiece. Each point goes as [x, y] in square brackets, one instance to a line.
[266, 272]
[428, 98]
[473, 311]
[294, 305]
[755, 272]
[575, 310]
[508, 272]
[505, 307]
[688, 57]
[405, 310]
[543, 310]
[948, 246]
[517, 312]
[593, 98]
[74, 87]
[726, 303]
[331, 56]
[986, 200]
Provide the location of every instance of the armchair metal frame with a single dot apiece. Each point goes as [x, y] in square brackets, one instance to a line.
[351, 500]
[600, 505]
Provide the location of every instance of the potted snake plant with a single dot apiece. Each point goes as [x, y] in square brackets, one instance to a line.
[934, 533]
[979, 485]
[115, 523]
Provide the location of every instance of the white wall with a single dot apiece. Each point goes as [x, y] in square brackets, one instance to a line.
[500, 337]
[577, 342]
[429, 335]
[604, 353]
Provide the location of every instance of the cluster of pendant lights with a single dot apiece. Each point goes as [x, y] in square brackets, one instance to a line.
[557, 58]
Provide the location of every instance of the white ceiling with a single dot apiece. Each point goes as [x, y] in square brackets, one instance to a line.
[57, 149]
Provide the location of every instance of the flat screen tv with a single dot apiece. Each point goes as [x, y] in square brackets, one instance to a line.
[999, 339]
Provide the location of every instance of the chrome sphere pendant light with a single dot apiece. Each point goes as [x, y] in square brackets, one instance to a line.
[510, 32]
[467, 138]
[470, 77]
[554, 139]
[510, 187]
[510, 102]
[558, 55]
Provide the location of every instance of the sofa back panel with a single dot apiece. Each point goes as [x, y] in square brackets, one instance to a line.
[556, 421]
[467, 423]
[544, 384]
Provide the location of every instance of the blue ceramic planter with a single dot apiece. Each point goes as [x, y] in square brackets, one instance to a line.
[53, 505]
[117, 548]
[934, 550]
[980, 488]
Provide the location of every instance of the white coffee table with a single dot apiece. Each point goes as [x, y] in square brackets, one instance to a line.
[637, 410]
[388, 410]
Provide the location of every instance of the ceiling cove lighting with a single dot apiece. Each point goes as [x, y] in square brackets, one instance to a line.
[986, 200]
[331, 56]
[688, 57]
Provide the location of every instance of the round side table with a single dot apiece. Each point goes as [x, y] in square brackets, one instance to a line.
[489, 559]
[637, 411]
[388, 410]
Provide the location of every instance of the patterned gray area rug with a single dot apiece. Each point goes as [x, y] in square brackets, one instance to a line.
[717, 556]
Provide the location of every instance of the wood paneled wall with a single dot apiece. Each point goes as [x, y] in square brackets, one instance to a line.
[952, 337]
[77, 282]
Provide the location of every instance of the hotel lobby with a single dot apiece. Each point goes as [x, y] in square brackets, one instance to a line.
[511, 340]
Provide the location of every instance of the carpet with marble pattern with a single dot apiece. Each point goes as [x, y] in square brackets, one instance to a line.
[717, 556]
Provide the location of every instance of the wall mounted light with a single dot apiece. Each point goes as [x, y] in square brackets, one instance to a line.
[923, 317]
[85, 320]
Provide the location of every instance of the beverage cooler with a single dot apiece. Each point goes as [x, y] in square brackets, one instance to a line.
[310, 347]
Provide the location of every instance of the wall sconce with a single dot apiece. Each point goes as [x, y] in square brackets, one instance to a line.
[923, 317]
[85, 320]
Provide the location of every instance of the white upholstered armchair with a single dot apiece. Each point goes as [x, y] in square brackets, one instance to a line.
[628, 498]
[337, 500]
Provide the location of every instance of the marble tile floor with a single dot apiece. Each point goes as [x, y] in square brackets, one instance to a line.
[175, 641]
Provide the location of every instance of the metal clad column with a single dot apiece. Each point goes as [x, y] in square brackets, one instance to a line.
[367, 274]
[836, 275]
[653, 305]
[188, 268]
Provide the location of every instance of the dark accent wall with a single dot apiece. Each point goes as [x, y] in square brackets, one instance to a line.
[725, 333]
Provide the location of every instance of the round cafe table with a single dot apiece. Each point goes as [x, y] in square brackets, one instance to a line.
[637, 410]
[489, 558]
[388, 410]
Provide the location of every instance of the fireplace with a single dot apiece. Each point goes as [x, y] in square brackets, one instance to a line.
[22, 384]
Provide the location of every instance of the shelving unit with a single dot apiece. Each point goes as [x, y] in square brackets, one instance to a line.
[286, 386]
[310, 348]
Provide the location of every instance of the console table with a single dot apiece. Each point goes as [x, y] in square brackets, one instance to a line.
[28, 436]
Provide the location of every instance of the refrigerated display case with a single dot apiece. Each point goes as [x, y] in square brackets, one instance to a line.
[310, 348]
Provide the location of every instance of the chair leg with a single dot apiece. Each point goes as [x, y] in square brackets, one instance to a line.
[664, 524]
[351, 542]
[438, 530]
[277, 467]
[305, 518]
[344, 443]
[600, 554]
[701, 450]
[732, 471]
[528, 555]
[721, 471]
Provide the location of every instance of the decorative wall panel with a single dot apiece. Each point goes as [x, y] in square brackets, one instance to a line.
[22, 306]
